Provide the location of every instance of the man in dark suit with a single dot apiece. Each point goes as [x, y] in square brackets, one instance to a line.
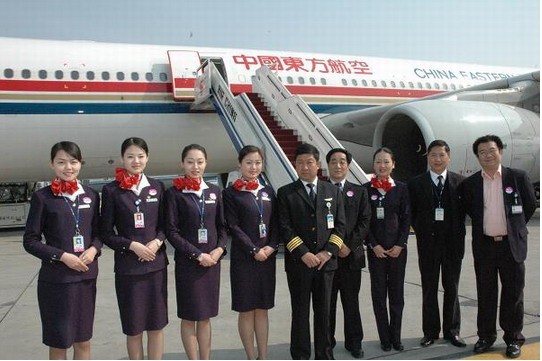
[500, 202]
[439, 224]
[351, 259]
[312, 223]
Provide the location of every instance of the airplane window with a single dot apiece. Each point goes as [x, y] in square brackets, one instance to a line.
[280, 79]
[163, 77]
[452, 86]
[8, 73]
[42, 74]
[444, 86]
[301, 80]
[411, 84]
[420, 85]
[402, 84]
[383, 83]
[120, 75]
[437, 86]
[364, 82]
[135, 76]
[460, 86]
[373, 83]
[290, 80]
[392, 83]
[312, 80]
[354, 82]
[59, 74]
[428, 85]
[75, 75]
[344, 82]
[90, 75]
[323, 81]
[25, 73]
[148, 76]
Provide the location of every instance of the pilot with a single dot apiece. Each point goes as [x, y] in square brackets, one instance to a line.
[66, 213]
[132, 225]
[195, 227]
[250, 213]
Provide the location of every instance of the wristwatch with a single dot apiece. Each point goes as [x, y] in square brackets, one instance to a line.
[159, 242]
[329, 254]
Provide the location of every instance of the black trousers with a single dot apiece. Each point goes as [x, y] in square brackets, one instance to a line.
[500, 264]
[431, 267]
[304, 283]
[348, 283]
[387, 281]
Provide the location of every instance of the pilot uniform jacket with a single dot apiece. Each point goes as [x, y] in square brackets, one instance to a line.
[197, 286]
[252, 281]
[118, 208]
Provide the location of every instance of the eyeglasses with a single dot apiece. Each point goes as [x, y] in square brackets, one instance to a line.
[486, 152]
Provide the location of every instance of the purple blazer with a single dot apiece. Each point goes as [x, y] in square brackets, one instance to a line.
[118, 226]
[51, 217]
[183, 221]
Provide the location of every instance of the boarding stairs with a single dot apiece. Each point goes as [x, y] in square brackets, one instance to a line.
[270, 118]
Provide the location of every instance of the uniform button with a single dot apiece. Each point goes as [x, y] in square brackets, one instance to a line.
[312, 215]
[313, 229]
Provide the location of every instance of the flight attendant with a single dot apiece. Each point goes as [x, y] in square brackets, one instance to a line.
[248, 208]
[67, 214]
[132, 225]
[196, 228]
[387, 240]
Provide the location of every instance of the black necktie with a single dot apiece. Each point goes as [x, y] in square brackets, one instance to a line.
[439, 185]
[312, 195]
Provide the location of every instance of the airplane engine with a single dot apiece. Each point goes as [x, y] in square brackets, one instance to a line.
[408, 128]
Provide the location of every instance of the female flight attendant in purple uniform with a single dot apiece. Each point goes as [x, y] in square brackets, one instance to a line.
[67, 215]
[248, 207]
[132, 225]
[195, 227]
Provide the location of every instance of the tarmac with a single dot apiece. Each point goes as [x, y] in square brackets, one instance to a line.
[20, 326]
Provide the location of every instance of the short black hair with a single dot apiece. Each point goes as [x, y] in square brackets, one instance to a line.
[385, 150]
[306, 148]
[70, 148]
[339, 150]
[438, 143]
[190, 147]
[246, 150]
[138, 142]
[486, 139]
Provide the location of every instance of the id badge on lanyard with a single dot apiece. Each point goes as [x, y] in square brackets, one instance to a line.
[329, 217]
[139, 217]
[78, 243]
[439, 214]
[202, 235]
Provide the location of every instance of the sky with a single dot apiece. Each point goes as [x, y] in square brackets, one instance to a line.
[489, 32]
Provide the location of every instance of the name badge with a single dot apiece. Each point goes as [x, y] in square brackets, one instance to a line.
[263, 230]
[211, 201]
[202, 235]
[330, 221]
[139, 220]
[439, 214]
[150, 200]
[379, 212]
[78, 243]
[82, 206]
[517, 209]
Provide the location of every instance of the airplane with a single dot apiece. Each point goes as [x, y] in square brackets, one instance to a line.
[98, 94]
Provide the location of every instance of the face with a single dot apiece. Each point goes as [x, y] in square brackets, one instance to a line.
[383, 165]
[489, 155]
[194, 164]
[306, 167]
[338, 166]
[251, 166]
[65, 166]
[135, 159]
[438, 159]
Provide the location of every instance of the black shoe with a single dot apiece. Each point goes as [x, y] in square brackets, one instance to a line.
[398, 346]
[513, 350]
[356, 353]
[456, 341]
[482, 346]
[385, 347]
[427, 341]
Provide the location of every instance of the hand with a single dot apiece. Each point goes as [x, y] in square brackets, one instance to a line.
[394, 252]
[205, 260]
[88, 256]
[153, 245]
[143, 252]
[260, 256]
[73, 262]
[380, 252]
[310, 260]
[217, 253]
[268, 250]
[344, 251]
[323, 256]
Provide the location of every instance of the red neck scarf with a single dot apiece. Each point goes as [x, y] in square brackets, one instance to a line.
[384, 184]
[241, 184]
[187, 183]
[125, 179]
[59, 186]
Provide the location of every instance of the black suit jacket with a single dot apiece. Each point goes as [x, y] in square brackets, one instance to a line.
[358, 216]
[303, 225]
[422, 207]
[472, 198]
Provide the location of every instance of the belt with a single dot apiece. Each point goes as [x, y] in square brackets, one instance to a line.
[496, 238]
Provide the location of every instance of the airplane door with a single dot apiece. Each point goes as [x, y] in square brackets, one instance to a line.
[184, 64]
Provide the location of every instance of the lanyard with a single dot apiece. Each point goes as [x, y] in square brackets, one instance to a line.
[438, 194]
[137, 203]
[75, 217]
[259, 206]
[380, 199]
[201, 209]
